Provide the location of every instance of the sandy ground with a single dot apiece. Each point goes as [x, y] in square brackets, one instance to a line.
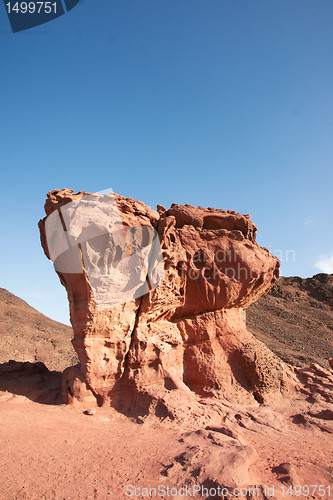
[57, 452]
[51, 451]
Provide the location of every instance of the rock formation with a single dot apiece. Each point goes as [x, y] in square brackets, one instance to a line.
[172, 344]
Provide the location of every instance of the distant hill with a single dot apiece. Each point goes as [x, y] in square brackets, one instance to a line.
[295, 319]
[28, 335]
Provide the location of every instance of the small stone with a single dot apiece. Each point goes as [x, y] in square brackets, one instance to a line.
[284, 468]
[90, 411]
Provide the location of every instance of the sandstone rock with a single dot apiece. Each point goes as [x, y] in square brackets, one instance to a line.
[162, 347]
[225, 464]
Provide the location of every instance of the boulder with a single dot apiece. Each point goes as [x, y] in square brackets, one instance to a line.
[157, 303]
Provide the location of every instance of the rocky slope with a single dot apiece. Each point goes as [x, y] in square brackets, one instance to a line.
[28, 335]
[295, 319]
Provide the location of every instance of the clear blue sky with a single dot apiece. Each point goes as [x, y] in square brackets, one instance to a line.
[224, 103]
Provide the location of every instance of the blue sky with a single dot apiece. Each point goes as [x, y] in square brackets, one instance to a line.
[224, 103]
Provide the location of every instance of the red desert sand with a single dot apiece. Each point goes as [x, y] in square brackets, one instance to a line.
[173, 396]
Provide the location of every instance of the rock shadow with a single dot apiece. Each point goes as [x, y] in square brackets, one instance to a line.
[32, 380]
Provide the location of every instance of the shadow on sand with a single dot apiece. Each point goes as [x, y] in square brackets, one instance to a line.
[32, 380]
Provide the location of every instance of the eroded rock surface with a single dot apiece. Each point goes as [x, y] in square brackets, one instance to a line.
[186, 338]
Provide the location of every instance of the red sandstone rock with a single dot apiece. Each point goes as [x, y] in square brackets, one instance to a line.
[186, 337]
[180, 350]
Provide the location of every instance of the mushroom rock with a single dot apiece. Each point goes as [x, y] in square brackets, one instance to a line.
[157, 303]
